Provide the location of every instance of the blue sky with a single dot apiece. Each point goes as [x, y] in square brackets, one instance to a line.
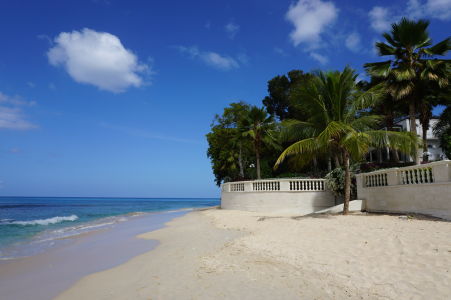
[114, 98]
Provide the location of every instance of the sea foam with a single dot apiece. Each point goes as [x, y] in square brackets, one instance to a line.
[48, 221]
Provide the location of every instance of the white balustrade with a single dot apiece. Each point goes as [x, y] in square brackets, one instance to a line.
[434, 172]
[422, 189]
[237, 187]
[284, 185]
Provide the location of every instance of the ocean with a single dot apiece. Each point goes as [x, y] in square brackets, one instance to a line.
[30, 225]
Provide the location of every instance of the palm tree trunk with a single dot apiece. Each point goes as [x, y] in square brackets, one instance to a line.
[395, 156]
[347, 184]
[425, 142]
[257, 157]
[337, 161]
[379, 155]
[413, 130]
[315, 165]
[329, 164]
[240, 162]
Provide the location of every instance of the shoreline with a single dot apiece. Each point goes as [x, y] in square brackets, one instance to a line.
[232, 254]
[51, 271]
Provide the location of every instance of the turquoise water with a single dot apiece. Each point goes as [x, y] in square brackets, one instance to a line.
[33, 220]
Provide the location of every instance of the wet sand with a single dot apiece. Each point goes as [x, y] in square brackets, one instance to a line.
[47, 274]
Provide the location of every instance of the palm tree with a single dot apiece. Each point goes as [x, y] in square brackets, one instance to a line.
[411, 47]
[334, 99]
[258, 125]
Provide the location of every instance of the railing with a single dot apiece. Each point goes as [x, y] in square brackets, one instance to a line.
[266, 186]
[435, 172]
[307, 185]
[276, 185]
[237, 187]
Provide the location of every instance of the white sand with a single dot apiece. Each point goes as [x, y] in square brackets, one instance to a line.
[219, 254]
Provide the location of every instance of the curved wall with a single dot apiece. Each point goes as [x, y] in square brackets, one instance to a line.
[281, 202]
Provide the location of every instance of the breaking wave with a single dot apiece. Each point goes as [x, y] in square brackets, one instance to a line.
[44, 222]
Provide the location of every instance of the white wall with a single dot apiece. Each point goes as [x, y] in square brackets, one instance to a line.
[426, 195]
[277, 196]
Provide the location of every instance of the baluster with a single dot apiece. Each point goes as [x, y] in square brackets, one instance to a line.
[432, 175]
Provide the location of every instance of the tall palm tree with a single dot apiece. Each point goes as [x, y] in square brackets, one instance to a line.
[411, 47]
[333, 99]
[257, 125]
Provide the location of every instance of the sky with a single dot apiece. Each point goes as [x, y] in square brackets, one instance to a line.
[113, 98]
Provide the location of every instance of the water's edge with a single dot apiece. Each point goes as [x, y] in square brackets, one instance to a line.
[50, 272]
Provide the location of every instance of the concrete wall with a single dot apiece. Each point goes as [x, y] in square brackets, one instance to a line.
[392, 191]
[280, 200]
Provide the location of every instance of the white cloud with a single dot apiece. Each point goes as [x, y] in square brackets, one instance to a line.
[352, 42]
[310, 19]
[11, 114]
[319, 58]
[439, 9]
[213, 59]
[380, 18]
[15, 100]
[97, 58]
[232, 29]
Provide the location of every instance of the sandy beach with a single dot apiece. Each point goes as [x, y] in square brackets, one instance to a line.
[220, 254]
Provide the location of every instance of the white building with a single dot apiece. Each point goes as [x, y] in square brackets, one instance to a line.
[434, 150]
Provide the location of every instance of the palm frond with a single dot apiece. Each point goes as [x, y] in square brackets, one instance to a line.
[333, 131]
[295, 130]
[440, 48]
[379, 69]
[369, 98]
[356, 144]
[308, 147]
[404, 72]
[401, 141]
[384, 49]
[367, 122]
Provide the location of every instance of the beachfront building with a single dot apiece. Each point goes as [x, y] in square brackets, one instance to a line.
[435, 152]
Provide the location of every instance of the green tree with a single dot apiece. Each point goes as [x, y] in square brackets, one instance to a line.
[228, 150]
[259, 126]
[442, 130]
[334, 99]
[280, 88]
[413, 61]
[389, 109]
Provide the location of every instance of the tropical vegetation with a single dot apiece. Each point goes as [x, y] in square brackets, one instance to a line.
[327, 123]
